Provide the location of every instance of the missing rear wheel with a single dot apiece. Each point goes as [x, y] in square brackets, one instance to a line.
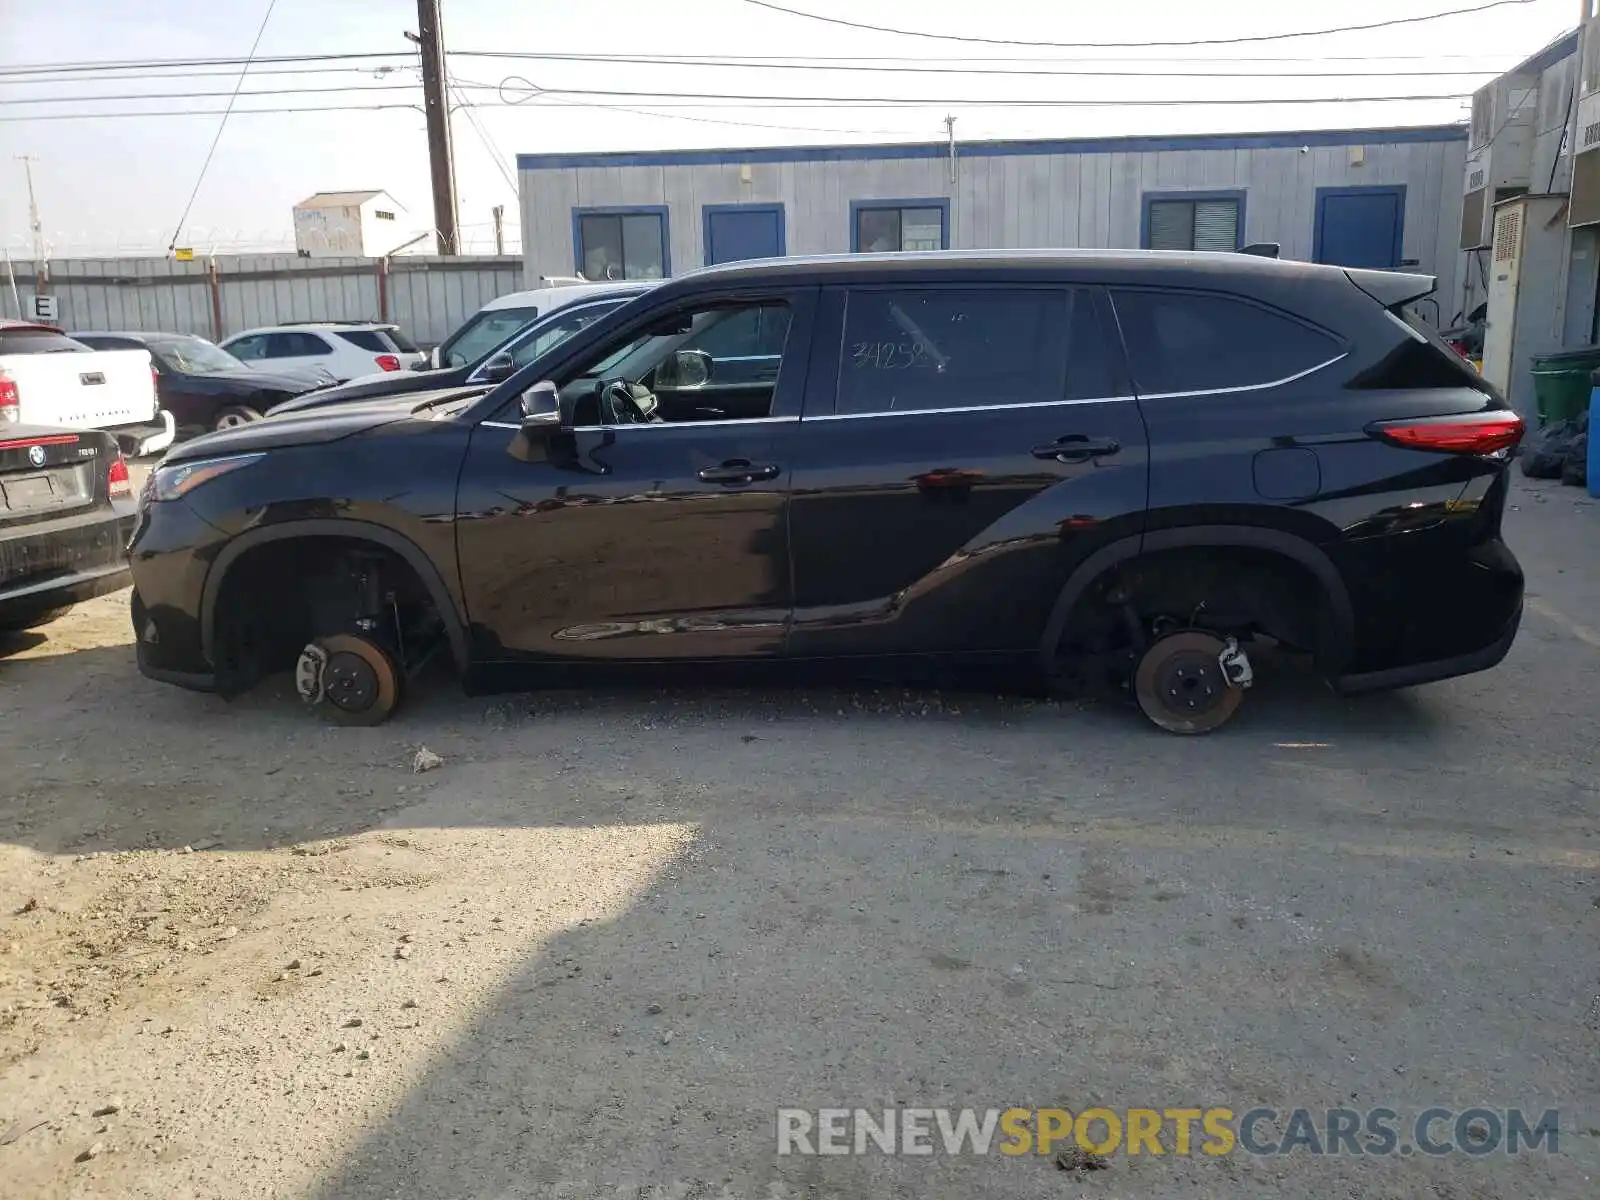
[1181, 686]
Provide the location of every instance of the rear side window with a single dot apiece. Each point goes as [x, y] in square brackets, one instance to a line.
[1418, 358]
[369, 340]
[935, 348]
[365, 339]
[1190, 342]
[401, 342]
[37, 341]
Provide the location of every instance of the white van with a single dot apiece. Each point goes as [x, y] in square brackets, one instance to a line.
[500, 318]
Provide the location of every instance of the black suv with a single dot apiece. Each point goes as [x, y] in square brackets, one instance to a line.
[1129, 462]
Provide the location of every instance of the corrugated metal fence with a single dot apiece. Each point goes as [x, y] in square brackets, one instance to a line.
[426, 296]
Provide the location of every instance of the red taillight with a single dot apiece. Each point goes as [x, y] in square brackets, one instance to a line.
[10, 400]
[388, 362]
[1472, 433]
[155, 376]
[117, 480]
[1460, 348]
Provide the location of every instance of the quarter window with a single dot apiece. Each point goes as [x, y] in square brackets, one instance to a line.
[890, 227]
[1193, 342]
[912, 350]
[622, 245]
[1192, 223]
[366, 339]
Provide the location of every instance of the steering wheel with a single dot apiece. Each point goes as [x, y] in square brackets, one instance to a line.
[623, 403]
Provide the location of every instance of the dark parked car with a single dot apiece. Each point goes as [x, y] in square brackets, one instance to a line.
[1130, 460]
[66, 513]
[202, 385]
[499, 363]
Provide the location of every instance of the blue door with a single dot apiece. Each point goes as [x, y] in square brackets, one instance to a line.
[740, 231]
[1360, 226]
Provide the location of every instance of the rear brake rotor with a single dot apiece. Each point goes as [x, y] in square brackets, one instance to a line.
[1181, 685]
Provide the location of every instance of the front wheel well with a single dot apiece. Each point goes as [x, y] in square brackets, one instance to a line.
[279, 595]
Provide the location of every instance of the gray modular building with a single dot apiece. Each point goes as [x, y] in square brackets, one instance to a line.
[1361, 197]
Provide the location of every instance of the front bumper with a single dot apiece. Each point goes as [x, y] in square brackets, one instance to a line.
[146, 437]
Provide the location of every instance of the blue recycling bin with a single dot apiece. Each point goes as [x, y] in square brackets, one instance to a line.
[1594, 442]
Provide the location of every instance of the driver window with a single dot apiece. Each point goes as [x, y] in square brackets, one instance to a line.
[717, 363]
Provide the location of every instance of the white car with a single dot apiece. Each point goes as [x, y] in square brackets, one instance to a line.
[506, 315]
[344, 349]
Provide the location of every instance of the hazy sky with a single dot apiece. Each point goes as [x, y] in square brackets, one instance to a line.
[110, 184]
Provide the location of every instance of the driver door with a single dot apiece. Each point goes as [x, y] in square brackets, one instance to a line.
[655, 534]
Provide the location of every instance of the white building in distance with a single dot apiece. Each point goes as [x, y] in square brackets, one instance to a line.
[364, 224]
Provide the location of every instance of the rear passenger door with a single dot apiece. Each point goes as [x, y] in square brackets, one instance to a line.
[1239, 417]
[961, 449]
[297, 348]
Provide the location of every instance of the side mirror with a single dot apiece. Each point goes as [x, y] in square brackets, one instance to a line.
[500, 367]
[684, 371]
[434, 361]
[542, 407]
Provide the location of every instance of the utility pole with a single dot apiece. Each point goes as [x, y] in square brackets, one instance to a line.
[441, 160]
[950, 132]
[499, 211]
[40, 275]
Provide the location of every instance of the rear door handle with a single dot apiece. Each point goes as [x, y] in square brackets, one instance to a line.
[1077, 448]
[737, 472]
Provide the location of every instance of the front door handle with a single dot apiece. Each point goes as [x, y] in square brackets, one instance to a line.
[737, 472]
[1077, 448]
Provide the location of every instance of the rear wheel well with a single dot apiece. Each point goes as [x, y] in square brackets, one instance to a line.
[280, 595]
[1233, 590]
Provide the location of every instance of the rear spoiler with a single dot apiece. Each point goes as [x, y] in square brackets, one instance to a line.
[1393, 288]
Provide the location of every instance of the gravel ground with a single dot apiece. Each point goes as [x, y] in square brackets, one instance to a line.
[595, 949]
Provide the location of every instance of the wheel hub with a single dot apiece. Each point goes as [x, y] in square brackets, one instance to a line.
[350, 682]
[1191, 682]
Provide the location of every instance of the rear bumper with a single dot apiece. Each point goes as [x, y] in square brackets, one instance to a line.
[146, 437]
[1431, 672]
[55, 563]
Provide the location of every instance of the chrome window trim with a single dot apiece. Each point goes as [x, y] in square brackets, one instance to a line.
[685, 424]
[499, 425]
[970, 408]
[1247, 387]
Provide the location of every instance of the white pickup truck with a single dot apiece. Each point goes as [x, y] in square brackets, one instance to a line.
[46, 378]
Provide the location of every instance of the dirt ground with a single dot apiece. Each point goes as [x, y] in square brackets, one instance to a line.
[243, 954]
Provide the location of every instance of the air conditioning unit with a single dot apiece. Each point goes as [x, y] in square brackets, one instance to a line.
[1524, 263]
[1499, 153]
[1585, 206]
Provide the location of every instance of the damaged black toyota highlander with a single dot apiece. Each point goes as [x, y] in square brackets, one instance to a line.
[1126, 461]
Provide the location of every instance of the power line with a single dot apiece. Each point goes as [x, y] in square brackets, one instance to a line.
[206, 112]
[223, 124]
[1233, 41]
[150, 77]
[236, 94]
[533, 90]
[823, 65]
[483, 134]
[163, 63]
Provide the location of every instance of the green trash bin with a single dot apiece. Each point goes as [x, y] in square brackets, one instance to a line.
[1561, 383]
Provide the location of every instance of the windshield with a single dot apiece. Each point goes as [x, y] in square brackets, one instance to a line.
[195, 356]
[486, 330]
